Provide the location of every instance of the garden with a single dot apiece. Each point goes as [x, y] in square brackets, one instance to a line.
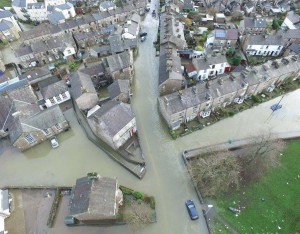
[138, 209]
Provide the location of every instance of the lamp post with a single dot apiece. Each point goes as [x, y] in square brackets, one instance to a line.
[209, 207]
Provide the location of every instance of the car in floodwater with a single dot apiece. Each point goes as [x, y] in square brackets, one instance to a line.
[192, 210]
[54, 142]
[143, 39]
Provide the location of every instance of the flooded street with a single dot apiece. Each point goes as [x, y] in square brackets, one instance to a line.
[166, 177]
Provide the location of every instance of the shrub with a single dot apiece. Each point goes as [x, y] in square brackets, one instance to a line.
[126, 191]
[231, 113]
[137, 195]
[152, 202]
[256, 99]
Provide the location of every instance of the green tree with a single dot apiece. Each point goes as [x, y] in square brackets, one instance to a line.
[230, 52]
[236, 60]
[276, 24]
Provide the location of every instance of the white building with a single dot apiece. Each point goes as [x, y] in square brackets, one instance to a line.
[291, 21]
[211, 66]
[67, 9]
[39, 11]
[131, 29]
[263, 45]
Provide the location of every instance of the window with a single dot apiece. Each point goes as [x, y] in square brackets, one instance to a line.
[279, 47]
[58, 98]
[64, 96]
[29, 138]
[57, 126]
[213, 66]
[267, 47]
[46, 132]
[52, 100]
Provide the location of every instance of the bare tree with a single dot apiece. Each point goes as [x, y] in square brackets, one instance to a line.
[212, 11]
[262, 153]
[138, 216]
[215, 171]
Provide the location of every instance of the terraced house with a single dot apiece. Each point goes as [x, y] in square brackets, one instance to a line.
[200, 100]
[23, 121]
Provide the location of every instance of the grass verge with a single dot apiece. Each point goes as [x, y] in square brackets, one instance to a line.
[270, 205]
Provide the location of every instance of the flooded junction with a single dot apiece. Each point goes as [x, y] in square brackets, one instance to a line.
[166, 177]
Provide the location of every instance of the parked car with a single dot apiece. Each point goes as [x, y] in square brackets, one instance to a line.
[143, 34]
[143, 39]
[192, 209]
[276, 107]
[54, 142]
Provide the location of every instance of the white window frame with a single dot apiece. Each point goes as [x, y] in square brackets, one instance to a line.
[29, 138]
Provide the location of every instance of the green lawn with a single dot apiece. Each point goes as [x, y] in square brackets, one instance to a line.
[272, 205]
[5, 3]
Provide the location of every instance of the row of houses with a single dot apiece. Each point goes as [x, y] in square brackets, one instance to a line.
[48, 43]
[204, 98]
[30, 113]
[171, 39]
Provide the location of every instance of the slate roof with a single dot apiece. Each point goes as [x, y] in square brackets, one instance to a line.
[52, 87]
[46, 118]
[295, 48]
[96, 196]
[118, 61]
[6, 106]
[106, 4]
[116, 43]
[293, 17]
[36, 74]
[291, 33]
[19, 3]
[168, 55]
[203, 64]
[23, 50]
[5, 25]
[5, 14]
[231, 34]
[38, 31]
[112, 117]
[118, 87]
[93, 70]
[255, 23]
[261, 40]
[55, 17]
[80, 83]
[64, 6]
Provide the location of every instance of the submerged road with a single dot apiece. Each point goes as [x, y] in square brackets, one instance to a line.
[166, 177]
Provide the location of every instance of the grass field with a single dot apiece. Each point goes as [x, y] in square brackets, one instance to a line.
[271, 205]
[5, 3]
